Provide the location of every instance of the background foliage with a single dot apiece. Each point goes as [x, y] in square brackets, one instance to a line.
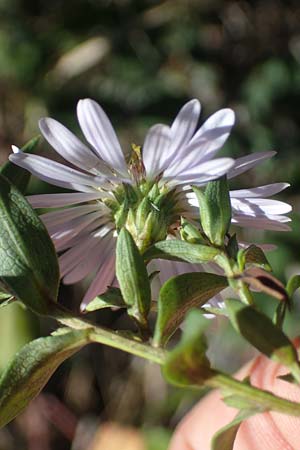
[142, 60]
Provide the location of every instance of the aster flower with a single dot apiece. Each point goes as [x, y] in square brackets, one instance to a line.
[144, 194]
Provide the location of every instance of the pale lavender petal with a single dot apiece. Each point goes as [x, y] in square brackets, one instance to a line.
[276, 223]
[73, 227]
[100, 134]
[78, 252]
[259, 206]
[62, 216]
[96, 257]
[54, 172]
[67, 242]
[59, 200]
[247, 162]
[70, 147]
[102, 280]
[156, 150]
[203, 173]
[213, 133]
[184, 125]
[261, 191]
[205, 144]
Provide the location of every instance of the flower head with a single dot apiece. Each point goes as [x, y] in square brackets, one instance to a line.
[143, 193]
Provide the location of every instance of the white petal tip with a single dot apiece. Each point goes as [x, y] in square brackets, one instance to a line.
[16, 149]
[83, 307]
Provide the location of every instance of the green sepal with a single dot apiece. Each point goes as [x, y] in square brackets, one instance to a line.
[190, 233]
[225, 437]
[28, 262]
[17, 175]
[215, 209]
[32, 367]
[111, 298]
[187, 364]
[177, 250]
[254, 256]
[133, 277]
[263, 334]
[178, 295]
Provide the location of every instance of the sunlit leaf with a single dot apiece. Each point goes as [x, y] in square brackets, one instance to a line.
[181, 293]
[261, 332]
[32, 367]
[253, 255]
[28, 262]
[177, 250]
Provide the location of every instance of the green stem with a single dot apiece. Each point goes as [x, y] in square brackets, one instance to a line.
[252, 395]
[111, 338]
[115, 340]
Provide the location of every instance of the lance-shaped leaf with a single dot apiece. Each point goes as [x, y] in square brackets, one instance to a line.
[112, 298]
[187, 363]
[133, 277]
[177, 250]
[215, 209]
[253, 255]
[28, 261]
[261, 332]
[32, 367]
[17, 175]
[178, 295]
[225, 437]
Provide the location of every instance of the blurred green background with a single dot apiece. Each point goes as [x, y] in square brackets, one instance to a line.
[142, 60]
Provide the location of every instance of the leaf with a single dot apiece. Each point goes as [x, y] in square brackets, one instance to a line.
[111, 298]
[133, 277]
[28, 262]
[177, 250]
[261, 332]
[187, 364]
[225, 437]
[178, 295]
[292, 285]
[15, 174]
[32, 367]
[253, 255]
[215, 209]
[263, 281]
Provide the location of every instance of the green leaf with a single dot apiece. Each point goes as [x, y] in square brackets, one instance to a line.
[177, 250]
[133, 277]
[17, 175]
[292, 285]
[111, 298]
[32, 367]
[261, 332]
[187, 363]
[178, 295]
[215, 209]
[253, 255]
[28, 262]
[225, 437]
